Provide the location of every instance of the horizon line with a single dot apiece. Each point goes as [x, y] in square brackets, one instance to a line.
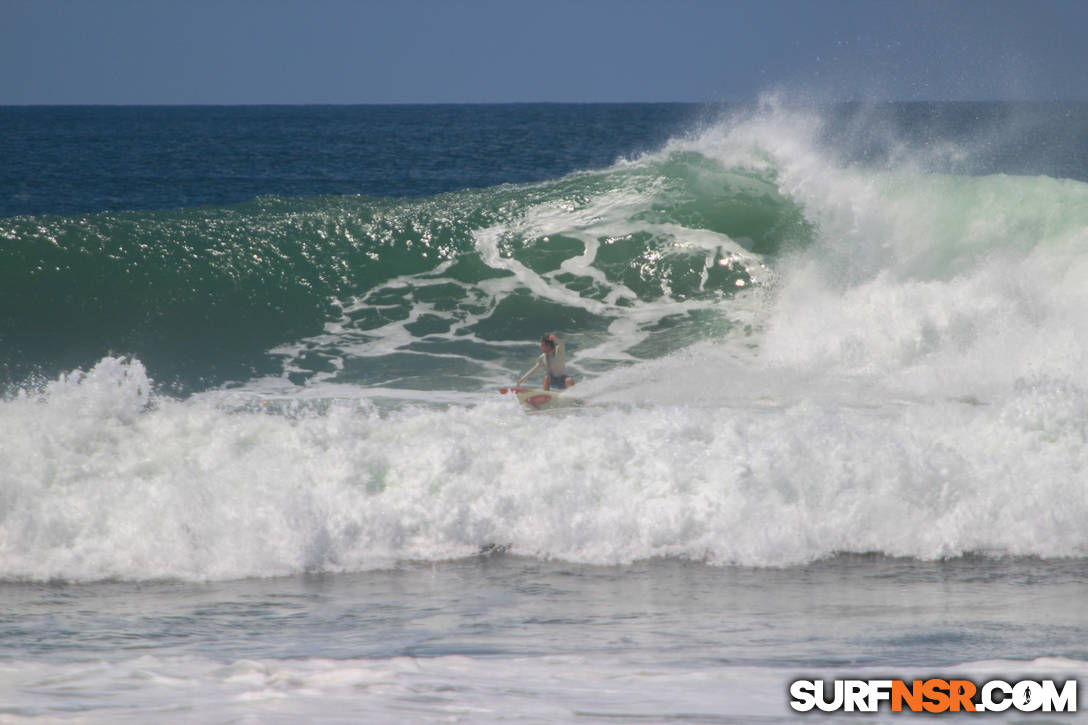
[336, 104]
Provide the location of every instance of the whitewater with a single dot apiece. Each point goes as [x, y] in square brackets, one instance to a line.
[834, 417]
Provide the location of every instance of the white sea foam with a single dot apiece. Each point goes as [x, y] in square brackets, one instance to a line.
[97, 484]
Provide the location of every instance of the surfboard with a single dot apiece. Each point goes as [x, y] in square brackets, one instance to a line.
[534, 399]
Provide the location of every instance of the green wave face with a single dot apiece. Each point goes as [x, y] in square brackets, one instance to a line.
[202, 295]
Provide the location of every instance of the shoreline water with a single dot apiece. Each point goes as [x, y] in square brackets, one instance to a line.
[496, 637]
[846, 610]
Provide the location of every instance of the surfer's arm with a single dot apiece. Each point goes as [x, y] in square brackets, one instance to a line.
[532, 370]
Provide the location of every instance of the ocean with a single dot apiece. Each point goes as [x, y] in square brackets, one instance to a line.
[255, 465]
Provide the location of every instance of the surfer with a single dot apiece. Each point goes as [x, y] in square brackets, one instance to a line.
[553, 358]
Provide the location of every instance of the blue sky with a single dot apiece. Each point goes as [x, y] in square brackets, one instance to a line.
[470, 51]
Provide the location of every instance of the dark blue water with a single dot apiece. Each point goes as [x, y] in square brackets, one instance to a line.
[74, 160]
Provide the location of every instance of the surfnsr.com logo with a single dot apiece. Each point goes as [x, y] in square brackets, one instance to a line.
[934, 695]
